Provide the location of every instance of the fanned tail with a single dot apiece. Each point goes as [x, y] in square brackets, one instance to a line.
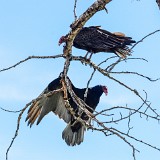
[123, 52]
[73, 138]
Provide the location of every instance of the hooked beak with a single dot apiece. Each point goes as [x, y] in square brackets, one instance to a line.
[105, 90]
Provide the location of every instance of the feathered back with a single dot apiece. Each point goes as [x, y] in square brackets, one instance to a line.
[44, 105]
[93, 39]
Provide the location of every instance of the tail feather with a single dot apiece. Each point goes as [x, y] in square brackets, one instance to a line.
[80, 138]
[129, 41]
[123, 52]
[73, 138]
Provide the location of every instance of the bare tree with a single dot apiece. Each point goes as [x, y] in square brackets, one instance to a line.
[106, 120]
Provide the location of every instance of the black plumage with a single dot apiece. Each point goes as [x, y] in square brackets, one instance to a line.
[94, 40]
[73, 134]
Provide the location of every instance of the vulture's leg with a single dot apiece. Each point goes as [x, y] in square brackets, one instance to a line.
[86, 55]
[86, 59]
[91, 53]
[90, 56]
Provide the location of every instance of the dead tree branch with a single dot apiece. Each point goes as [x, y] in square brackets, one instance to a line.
[6, 110]
[135, 73]
[107, 74]
[21, 113]
[85, 95]
[32, 57]
[74, 10]
[138, 140]
[16, 132]
[148, 35]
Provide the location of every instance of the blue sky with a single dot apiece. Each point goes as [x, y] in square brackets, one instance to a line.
[34, 28]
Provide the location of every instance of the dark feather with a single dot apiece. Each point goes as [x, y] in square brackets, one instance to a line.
[93, 39]
[74, 132]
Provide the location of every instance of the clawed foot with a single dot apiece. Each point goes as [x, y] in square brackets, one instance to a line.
[85, 61]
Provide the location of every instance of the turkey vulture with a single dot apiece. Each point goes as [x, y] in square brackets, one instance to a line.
[73, 134]
[94, 40]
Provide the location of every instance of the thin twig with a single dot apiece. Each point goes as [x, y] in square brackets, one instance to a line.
[21, 113]
[115, 132]
[32, 57]
[86, 92]
[141, 75]
[112, 78]
[16, 132]
[111, 67]
[148, 35]
[122, 60]
[136, 139]
[6, 110]
[129, 121]
[74, 10]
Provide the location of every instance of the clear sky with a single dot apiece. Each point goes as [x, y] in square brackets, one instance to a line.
[34, 28]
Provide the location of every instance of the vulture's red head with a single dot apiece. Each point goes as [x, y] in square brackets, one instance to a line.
[105, 90]
[62, 40]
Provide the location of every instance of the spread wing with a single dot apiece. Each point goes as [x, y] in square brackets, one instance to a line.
[45, 104]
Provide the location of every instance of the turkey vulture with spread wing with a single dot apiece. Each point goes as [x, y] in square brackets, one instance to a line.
[73, 134]
[94, 40]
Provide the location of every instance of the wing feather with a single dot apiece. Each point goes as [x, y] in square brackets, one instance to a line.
[44, 105]
[94, 39]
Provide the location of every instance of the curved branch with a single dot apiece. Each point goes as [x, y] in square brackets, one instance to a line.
[74, 10]
[6, 110]
[21, 113]
[130, 109]
[86, 92]
[16, 132]
[141, 75]
[32, 57]
[145, 38]
[115, 132]
[105, 73]
[138, 140]
[125, 117]
[110, 67]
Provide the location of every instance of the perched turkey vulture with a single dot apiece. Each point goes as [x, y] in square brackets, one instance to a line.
[94, 40]
[73, 134]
